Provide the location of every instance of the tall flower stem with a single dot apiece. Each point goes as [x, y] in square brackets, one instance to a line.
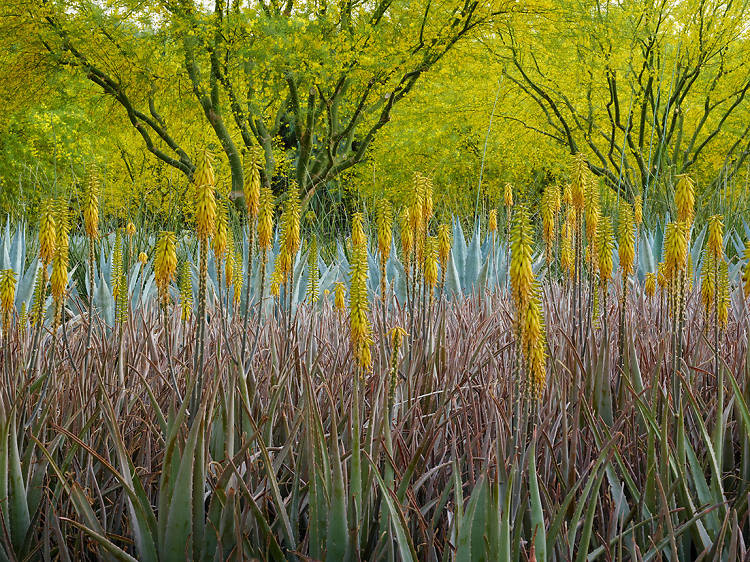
[201, 327]
[246, 311]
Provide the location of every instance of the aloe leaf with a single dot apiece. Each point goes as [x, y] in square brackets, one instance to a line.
[18, 507]
[505, 551]
[17, 250]
[405, 546]
[337, 547]
[114, 551]
[179, 528]
[537, 512]
[583, 545]
[453, 279]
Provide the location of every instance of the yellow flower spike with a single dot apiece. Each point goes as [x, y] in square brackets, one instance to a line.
[537, 369]
[604, 246]
[204, 173]
[358, 231]
[592, 210]
[661, 277]
[508, 195]
[47, 234]
[384, 219]
[7, 296]
[143, 258]
[165, 264]
[531, 323]
[339, 296]
[431, 259]
[283, 264]
[220, 240]
[675, 249]
[444, 244]
[251, 187]
[716, 237]
[746, 271]
[649, 285]
[359, 324]
[579, 182]
[91, 208]
[130, 229]
[684, 198]
[567, 197]
[638, 210]
[205, 199]
[535, 348]
[265, 219]
[492, 222]
[290, 223]
[276, 281]
[229, 270]
[556, 198]
[397, 335]
[384, 223]
[59, 279]
[521, 273]
[626, 248]
[707, 284]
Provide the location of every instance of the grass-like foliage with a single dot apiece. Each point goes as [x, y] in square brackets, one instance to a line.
[485, 401]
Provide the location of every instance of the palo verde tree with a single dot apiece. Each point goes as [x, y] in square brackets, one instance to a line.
[322, 79]
[647, 90]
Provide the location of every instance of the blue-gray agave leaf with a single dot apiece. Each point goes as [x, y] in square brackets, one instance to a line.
[473, 264]
[452, 278]
[104, 302]
[25, 286]
[459, 248]
[18, 250]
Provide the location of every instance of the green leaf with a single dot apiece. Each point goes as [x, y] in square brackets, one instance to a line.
[178, 535]
[337, 547]
[17, 506]
[537, 513]
[405, 546]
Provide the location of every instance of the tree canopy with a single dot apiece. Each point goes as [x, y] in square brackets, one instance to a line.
[358, 96]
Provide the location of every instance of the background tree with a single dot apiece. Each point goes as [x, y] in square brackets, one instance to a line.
[645, 88]
[321, 78]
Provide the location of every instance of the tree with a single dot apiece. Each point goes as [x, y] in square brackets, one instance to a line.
[322, 78]
[645, 88]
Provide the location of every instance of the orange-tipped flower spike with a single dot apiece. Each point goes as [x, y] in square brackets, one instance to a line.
[716, 237]
[684, 198]
[604, 246]
[7, 296]
[165, 264]
[91, 208]
[47, 234]
[252, 181]
[626, 249]
[205, 199]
